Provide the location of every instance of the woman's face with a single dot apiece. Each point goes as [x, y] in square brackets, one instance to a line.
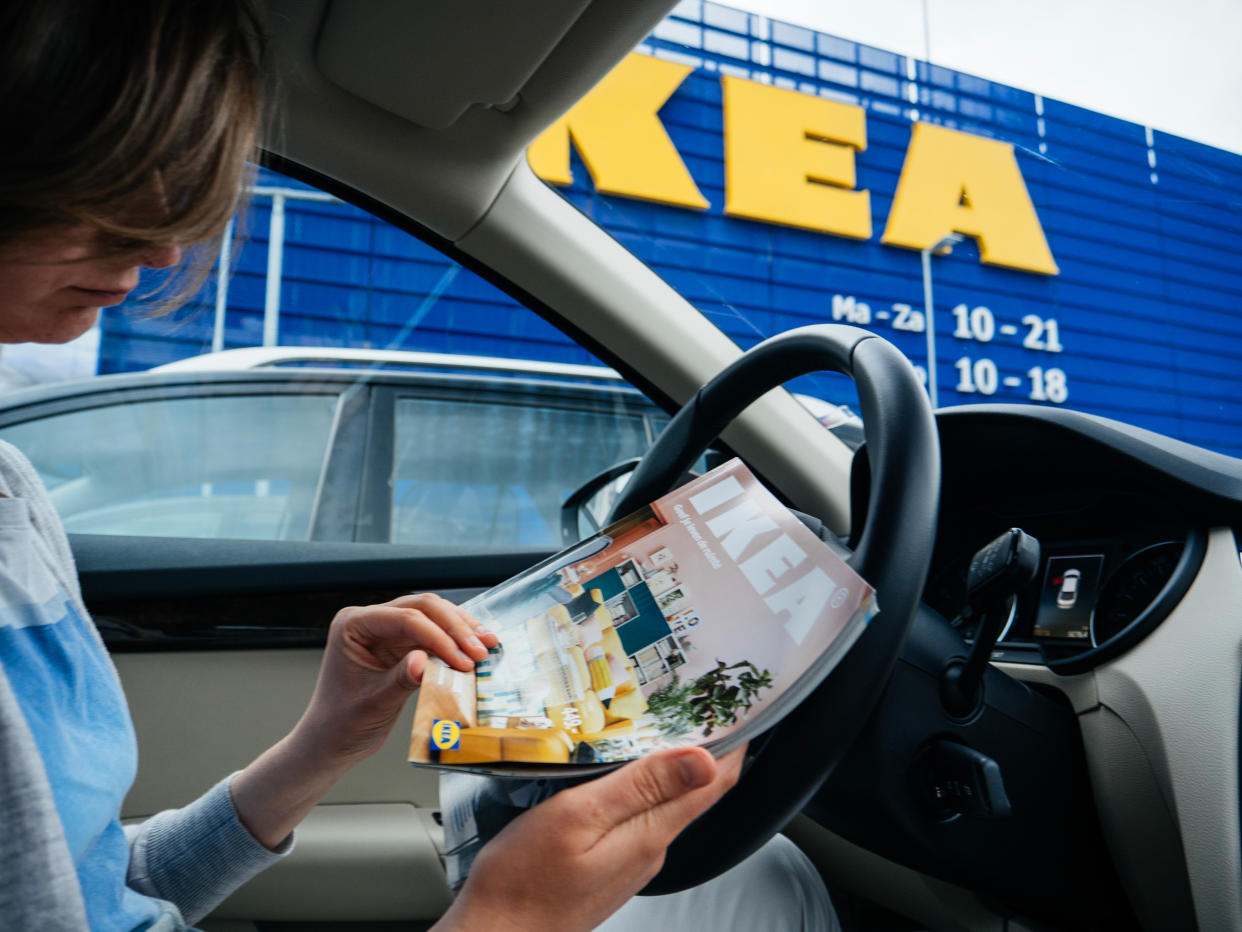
[53, 281]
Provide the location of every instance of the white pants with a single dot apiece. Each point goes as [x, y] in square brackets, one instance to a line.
[776, 889]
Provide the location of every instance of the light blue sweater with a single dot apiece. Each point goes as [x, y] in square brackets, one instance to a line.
[67, 758]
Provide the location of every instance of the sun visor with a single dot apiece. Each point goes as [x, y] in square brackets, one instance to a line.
[429, 62]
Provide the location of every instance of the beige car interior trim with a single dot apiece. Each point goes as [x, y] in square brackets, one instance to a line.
[1139, 825]
[1177, 694]
[430, 62]
[351, 862]
[443, 178]
[200, 715]
[371, 851]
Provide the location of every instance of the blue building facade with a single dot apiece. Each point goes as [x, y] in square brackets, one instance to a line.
[1143, 322]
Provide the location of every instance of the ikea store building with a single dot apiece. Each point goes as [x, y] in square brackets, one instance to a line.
[777, 177]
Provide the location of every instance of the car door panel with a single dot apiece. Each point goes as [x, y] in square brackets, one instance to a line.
[218, 645]
[356, 862]
[368, 852]
[219, 457]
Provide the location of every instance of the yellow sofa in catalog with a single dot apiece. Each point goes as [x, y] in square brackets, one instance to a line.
[519, 745]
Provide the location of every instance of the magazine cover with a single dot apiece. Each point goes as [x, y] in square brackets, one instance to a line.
[698, 620]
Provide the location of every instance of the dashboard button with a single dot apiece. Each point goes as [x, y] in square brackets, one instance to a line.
[953, 780]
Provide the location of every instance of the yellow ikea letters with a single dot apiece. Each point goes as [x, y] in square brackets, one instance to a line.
[789, 159]
[620, 137]
[956, 182]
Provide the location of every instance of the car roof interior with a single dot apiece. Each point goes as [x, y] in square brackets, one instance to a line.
[459, 104]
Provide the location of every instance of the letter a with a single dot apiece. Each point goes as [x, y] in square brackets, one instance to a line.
[955, 181]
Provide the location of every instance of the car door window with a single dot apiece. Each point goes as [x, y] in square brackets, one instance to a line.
[243, 466]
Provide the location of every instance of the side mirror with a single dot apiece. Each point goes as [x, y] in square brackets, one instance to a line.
[588, 507]
[584, 511]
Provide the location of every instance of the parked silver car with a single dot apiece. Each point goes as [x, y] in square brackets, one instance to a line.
[289, 443]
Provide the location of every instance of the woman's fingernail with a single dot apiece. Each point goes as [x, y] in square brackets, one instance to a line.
[462, 658]
[475, 642]
[695, 770]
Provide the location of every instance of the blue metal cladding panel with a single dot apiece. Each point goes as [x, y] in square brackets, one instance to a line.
[1141, 324]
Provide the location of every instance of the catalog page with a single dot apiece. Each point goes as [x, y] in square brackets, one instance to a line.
[682, 624]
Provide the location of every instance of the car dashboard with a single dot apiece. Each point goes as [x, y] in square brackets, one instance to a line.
[1088, 591]
[1121, 517]
[1099, 723]
[1112, 567]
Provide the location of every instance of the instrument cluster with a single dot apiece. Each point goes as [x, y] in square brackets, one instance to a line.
[1090, 598]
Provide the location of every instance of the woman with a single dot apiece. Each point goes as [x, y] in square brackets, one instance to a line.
[131, 124]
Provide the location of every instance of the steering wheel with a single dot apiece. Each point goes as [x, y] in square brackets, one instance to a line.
[893, 554]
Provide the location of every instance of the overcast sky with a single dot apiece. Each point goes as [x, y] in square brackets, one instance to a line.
[1174, 67]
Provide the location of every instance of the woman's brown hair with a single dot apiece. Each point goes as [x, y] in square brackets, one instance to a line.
[134, 116]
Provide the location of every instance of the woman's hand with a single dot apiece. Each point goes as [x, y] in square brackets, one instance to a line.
[574, 860]
[374, 659]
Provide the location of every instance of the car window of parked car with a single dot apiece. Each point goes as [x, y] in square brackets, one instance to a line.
[494, 473]
[243, 466]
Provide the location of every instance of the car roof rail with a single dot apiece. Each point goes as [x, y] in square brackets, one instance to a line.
[266, 357]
